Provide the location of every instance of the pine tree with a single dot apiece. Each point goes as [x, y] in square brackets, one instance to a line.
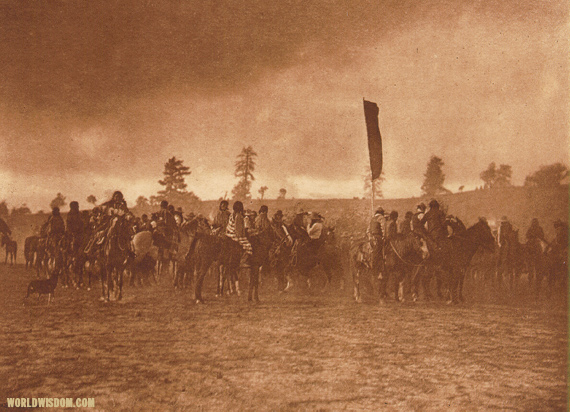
[175, 185]
[434, 178]
[244, 168]
[174, 177]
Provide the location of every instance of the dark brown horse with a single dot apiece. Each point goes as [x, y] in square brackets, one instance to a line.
[205, 249]
[324, 254]
[117, 254]
[30, 250]
[402, 255]
[11, 248]
[454, 255]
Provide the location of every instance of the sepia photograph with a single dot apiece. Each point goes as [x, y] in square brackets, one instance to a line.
[295, 205]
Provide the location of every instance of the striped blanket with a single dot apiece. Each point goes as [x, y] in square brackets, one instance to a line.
[232, 234]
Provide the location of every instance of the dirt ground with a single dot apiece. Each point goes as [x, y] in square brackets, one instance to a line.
[306, 350]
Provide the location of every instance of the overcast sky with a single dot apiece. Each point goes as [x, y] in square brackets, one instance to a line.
[96, 96]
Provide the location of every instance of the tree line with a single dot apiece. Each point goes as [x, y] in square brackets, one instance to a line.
[175, 190]
[493, 177]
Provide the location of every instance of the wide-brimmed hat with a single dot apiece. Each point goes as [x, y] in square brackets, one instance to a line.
[379, 211]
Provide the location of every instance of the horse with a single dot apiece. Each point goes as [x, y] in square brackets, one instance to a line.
[401, 254]
[512, 260]
[30, 250]
[204, 250]
[360, 265]
[324, 253]
[453, 255]
[555, 267]
[146, 255]
[11, 248]
[535, 256]
[183, 266]
[116, 257]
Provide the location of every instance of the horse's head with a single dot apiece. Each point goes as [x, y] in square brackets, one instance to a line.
[4, 229]
[196, 225]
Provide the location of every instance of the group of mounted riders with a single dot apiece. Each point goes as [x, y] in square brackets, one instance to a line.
[108, 240]
[429, 242]
[425, 243]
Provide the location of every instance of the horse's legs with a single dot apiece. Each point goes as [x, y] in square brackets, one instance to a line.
[200, 273]
[356, 283]
[415, 283]
[328, 269]
[217, 269]
[382, 284]
[120, 274]
[462, 274]
[253, 293]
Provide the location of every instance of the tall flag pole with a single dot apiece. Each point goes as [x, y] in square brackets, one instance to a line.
[374, 142]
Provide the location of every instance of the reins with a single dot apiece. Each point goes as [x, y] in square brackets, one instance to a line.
[404, 260]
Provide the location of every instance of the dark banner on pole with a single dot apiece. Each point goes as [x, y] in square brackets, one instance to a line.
[374, 138]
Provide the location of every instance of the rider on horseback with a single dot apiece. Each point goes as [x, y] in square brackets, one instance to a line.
[456, 225]
[75, 228]
[392, 227]
[280, 249]
[315, 231]
[221, 220]
[406, 224]
[55, 226]
[534, 234]
[417, 227]
[559, 245]
[166, 225]
[75, 225]
[103, 217]
[434, 220]
[236, 228]
[375, 237]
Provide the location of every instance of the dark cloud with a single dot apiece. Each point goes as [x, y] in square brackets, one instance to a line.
[111, 89]
[86, 58]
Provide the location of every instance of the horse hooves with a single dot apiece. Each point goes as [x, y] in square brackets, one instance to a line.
[199, 301]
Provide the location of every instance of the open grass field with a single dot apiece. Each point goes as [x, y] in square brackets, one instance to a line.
[305, 350]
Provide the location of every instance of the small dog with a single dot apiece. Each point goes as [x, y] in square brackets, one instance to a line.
[43, 287]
